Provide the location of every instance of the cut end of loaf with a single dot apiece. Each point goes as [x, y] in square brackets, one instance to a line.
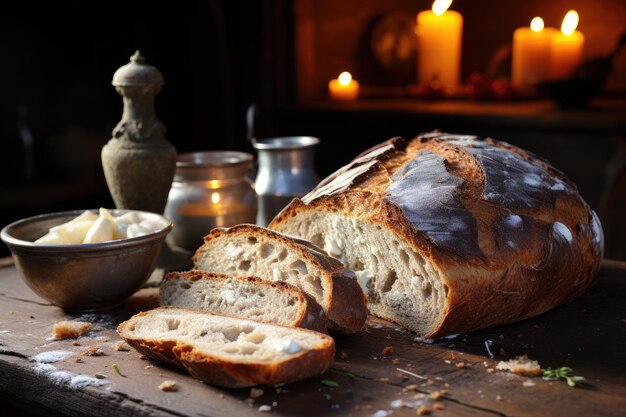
[400, 284]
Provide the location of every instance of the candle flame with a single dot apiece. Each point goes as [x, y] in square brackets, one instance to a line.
[536, 25]
[440, 6]
[215, 198]
[345, 78]
[570, 22]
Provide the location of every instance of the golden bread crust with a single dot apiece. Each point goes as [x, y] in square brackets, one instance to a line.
[509, 234]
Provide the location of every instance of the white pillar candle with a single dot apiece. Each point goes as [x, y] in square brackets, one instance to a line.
[531, 54]
[567, 48]
[439, 34]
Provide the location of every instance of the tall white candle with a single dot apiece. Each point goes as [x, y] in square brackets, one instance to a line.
[567, 48]
[439, 34]
[531, 54]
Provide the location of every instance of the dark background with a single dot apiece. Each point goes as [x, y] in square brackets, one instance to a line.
[219, 56]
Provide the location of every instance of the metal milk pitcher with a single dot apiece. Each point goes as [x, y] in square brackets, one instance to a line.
[286, 170]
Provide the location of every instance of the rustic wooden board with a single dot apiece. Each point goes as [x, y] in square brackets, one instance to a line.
[587, 335]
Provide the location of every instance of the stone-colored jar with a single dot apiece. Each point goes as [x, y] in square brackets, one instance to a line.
[139, 162]
[210, 189]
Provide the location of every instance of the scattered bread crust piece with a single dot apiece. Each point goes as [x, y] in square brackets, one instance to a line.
[168, 385]
[93, 351]
[70, 329]
[122, 346]
[521, 365]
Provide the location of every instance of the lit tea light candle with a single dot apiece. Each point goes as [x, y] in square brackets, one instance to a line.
[567, 47]
[439, 34]
[531, 54]
[344, 87]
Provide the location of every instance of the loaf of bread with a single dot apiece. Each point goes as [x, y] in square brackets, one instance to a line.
[451, 233]
[252, 250]
[245, 297]
[228, 351]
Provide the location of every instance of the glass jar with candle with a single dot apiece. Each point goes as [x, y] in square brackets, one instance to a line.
[210, 189]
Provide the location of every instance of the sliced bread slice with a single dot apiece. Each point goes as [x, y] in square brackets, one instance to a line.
[253, 250]
[246, 297]
[228, 351]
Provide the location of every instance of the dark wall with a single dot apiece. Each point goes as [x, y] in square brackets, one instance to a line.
[58, 59]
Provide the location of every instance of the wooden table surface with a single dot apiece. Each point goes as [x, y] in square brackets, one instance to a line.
[587, 335]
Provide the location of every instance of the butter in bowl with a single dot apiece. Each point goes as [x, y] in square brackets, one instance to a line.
[87, 260]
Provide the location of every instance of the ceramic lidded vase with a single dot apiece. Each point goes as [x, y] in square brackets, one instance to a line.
[139, 162]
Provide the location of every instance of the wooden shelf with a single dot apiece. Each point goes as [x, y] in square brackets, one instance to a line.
[602, 116]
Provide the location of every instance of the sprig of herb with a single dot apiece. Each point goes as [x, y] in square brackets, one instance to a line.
[99, 376]
[117, 370]
[563, 373]
[330, 383]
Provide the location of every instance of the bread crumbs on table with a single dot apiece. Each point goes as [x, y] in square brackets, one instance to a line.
[221, 395]
[93, 351]
[384, 379]
[490, 370]
[122, 346]
[79, 360]
[147, 367]
[448, 361]
[412, 387]
[438, 405]
[265, 408]
[143, 357]
[499, 398]
[69, 329]
[256, 392]
[395, 361]
[75, 343]
[460, 365]
[168, 386]
[423, 410]
[435, 395]
[387, 350]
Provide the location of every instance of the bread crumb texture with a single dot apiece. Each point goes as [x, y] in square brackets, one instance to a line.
[521, 365]
[168, 385]
[70, 329]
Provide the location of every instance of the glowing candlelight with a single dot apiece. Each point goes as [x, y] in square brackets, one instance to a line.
[531, 54]
[344, 87]
[567, 47]
[439, 45]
